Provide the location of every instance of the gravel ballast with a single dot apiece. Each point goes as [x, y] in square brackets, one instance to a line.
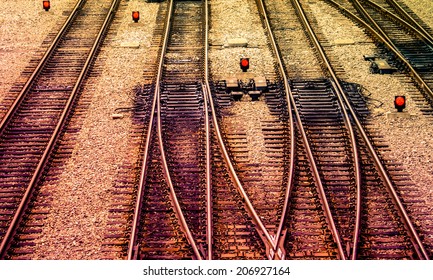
[82, 196]
[23, 27]
[422, 8]
[410, 139]
[240, 19]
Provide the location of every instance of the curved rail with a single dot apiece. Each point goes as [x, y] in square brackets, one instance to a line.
[290, 100]
[65, 113]
[261, 228]
[419, 31]
[156, 106]
[423, 85]
[339, 92]
[292, 106]
[410, 19]
[209, 231]
[288, 93]
[263, 232]
[419, 247]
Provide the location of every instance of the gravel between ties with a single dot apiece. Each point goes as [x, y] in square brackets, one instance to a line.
[82, 196]
[422, 8]
[410, 140]
[23, 27]
[240, 19]
[76, 224]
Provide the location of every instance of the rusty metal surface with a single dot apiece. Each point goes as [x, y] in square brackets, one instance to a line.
[32, 125]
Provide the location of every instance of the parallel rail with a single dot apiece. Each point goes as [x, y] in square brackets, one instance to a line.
[37, 118]
[156, 120]
[317, 178]
[156, 123]
[379, 36]
[413, 22]
[415, 239]
[408, 22]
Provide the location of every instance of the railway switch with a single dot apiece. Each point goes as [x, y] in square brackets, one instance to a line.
[46, 5]
[379, 65]
[245, 64]
[135, 16]
[400, 102]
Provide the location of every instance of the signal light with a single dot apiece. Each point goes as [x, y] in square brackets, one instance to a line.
[46, 5]
[135, 16]
[245, 64]
[400, 103]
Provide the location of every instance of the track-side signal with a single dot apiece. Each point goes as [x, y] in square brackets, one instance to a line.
[245, 64]
[135, 16]
[46, 5]
[400, 102]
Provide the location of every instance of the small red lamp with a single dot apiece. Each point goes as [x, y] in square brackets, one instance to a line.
[245, 64]
[400, 102]
[46, 5]
[135, 16]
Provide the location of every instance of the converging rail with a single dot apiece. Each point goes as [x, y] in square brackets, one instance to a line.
[411, 20]
[182, 162]
[418, 247]
[172, 177]
[418, 68]
[307, 146]
[30, 129]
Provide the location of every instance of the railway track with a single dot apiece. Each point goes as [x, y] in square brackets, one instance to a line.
[400, 42]
[31, 128]
[407, 14]
[321, 109]
[199, 206]
[171, 183]
[117, 235]
[416, 45]
[200, 196]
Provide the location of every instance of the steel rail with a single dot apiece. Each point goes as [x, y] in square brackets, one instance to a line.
[133, 247]
[175, 201]
[409, 18]
[261, 229]
[419, 32]
[156, 106]
[290, 103]
[290, 100]
[356, 162]
[209, 212]
[62, 121]
[362, 10]
[416, 241]
[414, 74]
[40, 66]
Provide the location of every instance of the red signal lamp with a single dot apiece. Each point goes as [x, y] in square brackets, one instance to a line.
[135, 16]
[245, 64]
[46, 5]
[400, 102]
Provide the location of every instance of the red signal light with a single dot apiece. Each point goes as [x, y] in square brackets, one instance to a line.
[135, 16]
[46, 5]
[245, 64]
[400, 102]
